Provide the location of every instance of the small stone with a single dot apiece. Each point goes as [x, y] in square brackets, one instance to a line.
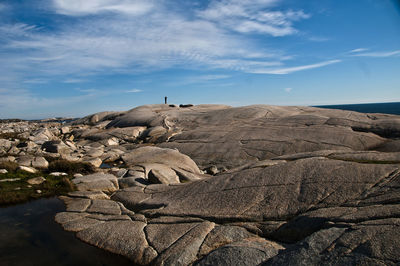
[212, 170]
[58, 174]
[38, 191]
[78, 175]
[27, 169]
[112, 142]
[96, 162]
[40, 162]
[65, 130]
[3, 171]
[36, 180]
[10, 179]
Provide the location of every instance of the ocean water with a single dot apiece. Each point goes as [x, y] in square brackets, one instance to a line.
[385, 108]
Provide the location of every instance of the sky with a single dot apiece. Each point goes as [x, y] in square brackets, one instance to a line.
[72, 58]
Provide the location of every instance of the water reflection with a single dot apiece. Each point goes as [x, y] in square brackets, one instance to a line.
[30, 236]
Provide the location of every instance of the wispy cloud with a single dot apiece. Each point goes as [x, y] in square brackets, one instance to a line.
[252, 16]
[133, 91]
[377, 54]
[89, 91]
[287, 90]
[131, 36]
[358, 50]
[288, 70]
[36, 81]
[80, 8]
[74, 80]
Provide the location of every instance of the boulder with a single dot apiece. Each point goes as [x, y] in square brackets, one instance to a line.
[41, 136]
[27, 169]
[96, 182]
[36, 180]
[40, 162]
[96, 162]
[169, 157]
[56, 146]
[162, 175]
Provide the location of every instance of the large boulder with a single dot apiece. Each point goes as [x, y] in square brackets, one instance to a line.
[150, 154]
[96, 182]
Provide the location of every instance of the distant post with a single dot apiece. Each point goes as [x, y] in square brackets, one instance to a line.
[165, 99]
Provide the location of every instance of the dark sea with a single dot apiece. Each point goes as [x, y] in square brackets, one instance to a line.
[385, 108]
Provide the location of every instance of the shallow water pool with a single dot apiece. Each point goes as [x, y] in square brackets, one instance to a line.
[30, 236]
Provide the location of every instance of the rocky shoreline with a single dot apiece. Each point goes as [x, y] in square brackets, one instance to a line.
[217, 185]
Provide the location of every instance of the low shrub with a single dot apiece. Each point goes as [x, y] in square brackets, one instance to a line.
[70, 167]
[9, 166]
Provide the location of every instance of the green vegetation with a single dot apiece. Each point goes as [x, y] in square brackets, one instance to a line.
[70, 167]
[20, 191]
[9, 166]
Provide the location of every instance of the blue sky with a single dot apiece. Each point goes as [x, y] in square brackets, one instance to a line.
[73, 57]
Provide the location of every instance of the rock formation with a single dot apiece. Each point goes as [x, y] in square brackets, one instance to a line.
[216, 185]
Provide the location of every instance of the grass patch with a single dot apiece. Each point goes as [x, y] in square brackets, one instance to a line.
[9, 166]
[20, 191]
[71, 167]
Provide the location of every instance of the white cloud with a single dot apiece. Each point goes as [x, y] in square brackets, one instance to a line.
[358, 50]
[213, 77]
[252, 17]
[133, 91]
[287, 89]
[163, 38]
[79, 7]
[36, 81]
[378, 54]
[288, 70]
[74, 80]
[88, 91]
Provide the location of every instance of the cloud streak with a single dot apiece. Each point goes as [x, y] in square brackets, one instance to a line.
[252, 17]
[362, 53]
[288, 70]
[81, 8]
